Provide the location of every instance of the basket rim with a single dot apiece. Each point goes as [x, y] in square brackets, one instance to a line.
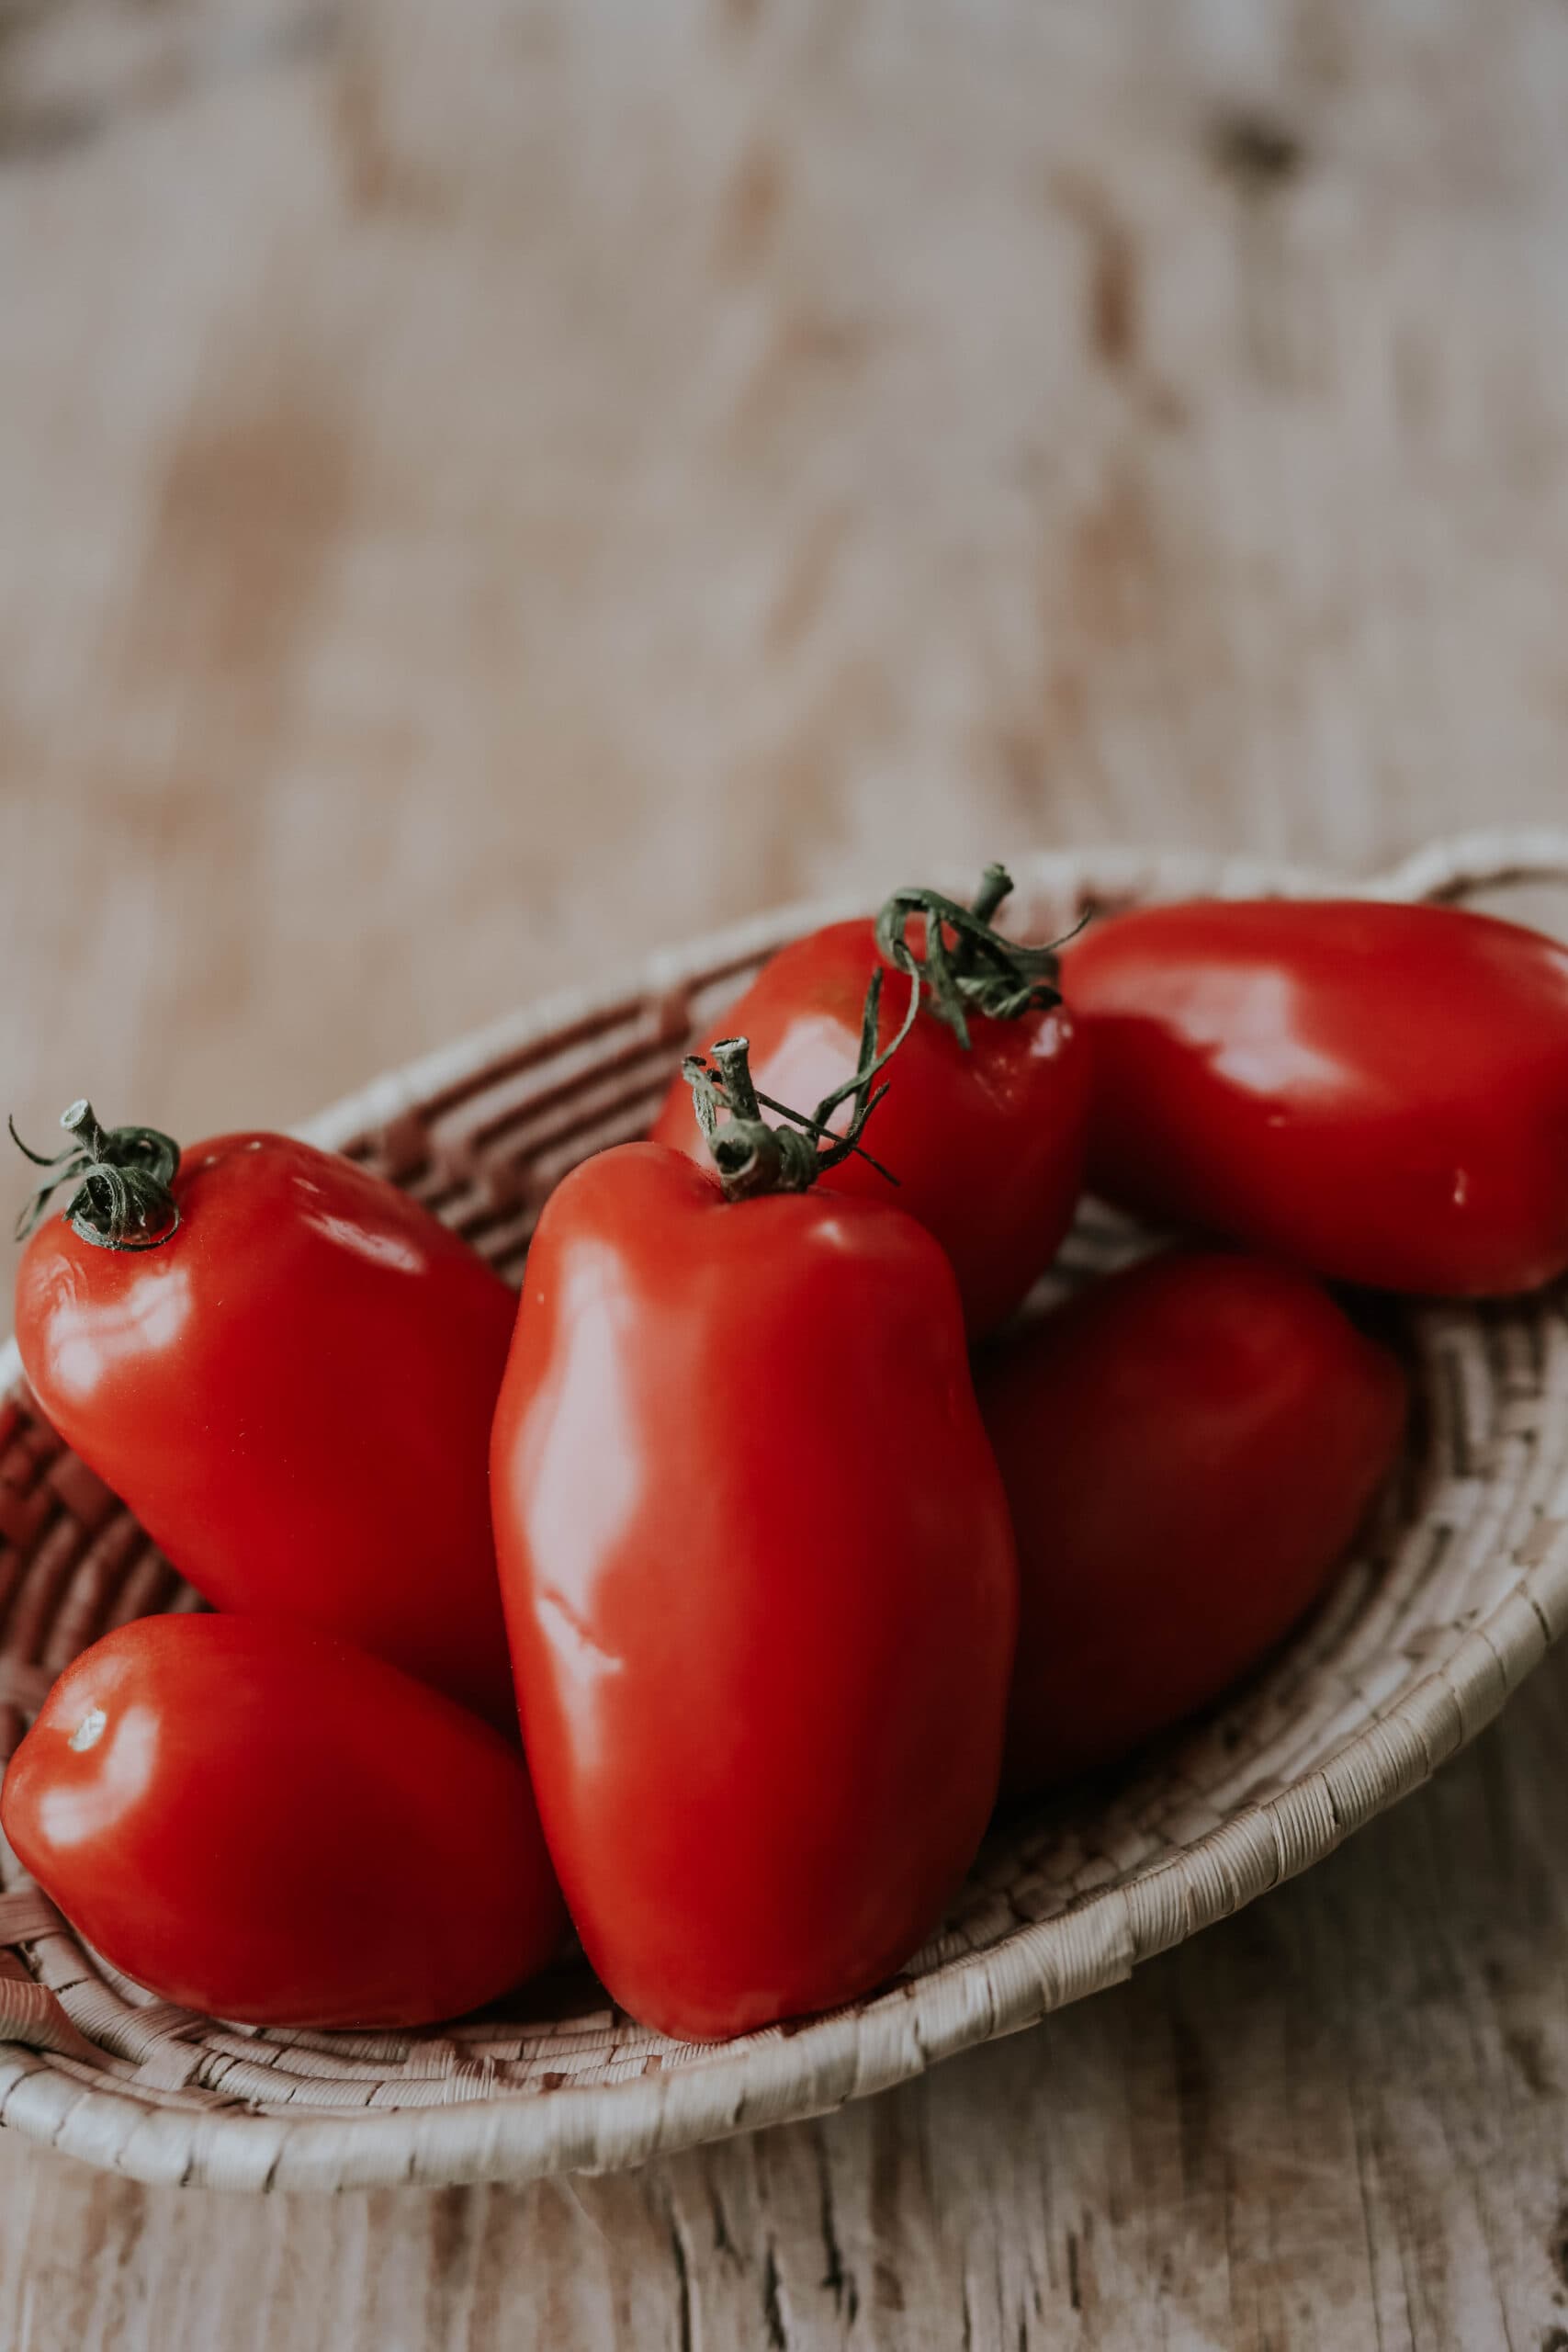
[790, 2074]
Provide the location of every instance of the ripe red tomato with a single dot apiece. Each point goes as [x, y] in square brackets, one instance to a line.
[1187, 1449]
[760, 1585]
[292, 1388]
[1378, 1091]
[984, 1119]
[255, 1819]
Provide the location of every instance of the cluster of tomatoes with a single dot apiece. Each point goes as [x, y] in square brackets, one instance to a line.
[802, 1558]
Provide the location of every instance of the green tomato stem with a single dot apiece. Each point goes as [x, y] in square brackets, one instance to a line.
[124, 1177]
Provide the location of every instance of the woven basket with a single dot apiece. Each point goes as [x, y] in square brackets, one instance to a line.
[1459, 1591]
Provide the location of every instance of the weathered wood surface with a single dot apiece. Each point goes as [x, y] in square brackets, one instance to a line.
[485, 489]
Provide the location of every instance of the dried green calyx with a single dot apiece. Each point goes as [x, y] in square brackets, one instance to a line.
[751, 1155]
[123, 1177]
[964, 965]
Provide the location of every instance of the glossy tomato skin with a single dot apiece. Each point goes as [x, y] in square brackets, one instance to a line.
[1377, 1091]
[259, 1821]
[760, 1584]
[987, 1143]
[293, 1394]
[1188, 1448]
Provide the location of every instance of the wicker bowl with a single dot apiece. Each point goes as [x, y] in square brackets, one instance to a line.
[1459, 1588]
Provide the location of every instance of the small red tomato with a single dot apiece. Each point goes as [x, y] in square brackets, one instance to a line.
[1378, 1091]
[1187, 1449]
[256, 1820]
[987, 1100]
[286, 1368]
[759, 1580]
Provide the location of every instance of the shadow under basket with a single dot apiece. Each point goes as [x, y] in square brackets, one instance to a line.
[1457, 1590]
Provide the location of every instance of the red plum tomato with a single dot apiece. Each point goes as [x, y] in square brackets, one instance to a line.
[760, 1584]
[1377, 1091]
[1188, 1448]
[257, 1820]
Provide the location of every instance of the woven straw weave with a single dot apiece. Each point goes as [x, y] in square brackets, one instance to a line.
[1458, 1589]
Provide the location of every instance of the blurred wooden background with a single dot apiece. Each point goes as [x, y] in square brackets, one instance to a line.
[486, 488]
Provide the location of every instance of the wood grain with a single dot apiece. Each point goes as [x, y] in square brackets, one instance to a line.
[485, 490]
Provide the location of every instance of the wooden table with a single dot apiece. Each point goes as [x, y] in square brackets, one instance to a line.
[487, 489]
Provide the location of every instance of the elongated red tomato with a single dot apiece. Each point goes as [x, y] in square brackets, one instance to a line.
[257, 1820]
[760, 1585]
[984, 1119]
[1378, 1091]
[292, 1389]
[1187, 1449]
